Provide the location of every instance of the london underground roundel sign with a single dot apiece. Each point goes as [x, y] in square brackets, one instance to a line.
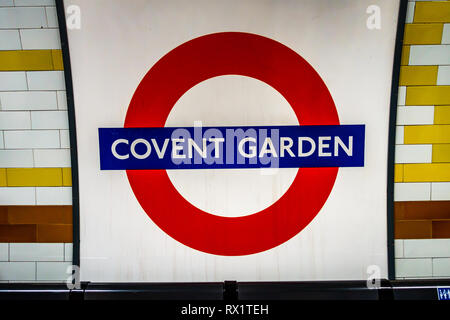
[145, 148]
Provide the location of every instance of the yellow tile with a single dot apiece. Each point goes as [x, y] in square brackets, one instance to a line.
[427, 134]
[398, 173]
[423, 33]
[3, 177]
[436, 11]
[26, 60]
[441, 153]
[67, 177]
[405, 55]
[426, 172]
[57, 60]
[428, 96]
[34, 177]
[442, 115]
[418, 75]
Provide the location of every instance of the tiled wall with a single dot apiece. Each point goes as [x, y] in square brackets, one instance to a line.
[422, 173]
[35, 177]
[35, 192]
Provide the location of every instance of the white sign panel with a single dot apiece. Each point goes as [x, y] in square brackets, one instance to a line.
[232, 140]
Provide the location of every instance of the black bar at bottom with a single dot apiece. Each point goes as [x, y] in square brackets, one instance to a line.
[417, 289]
[228, 291]
[154, 291]
[314, 290]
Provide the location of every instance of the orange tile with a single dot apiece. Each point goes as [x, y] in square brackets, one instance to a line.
[422, 210]
[40, 214]
[3, 215]
[18, 233]
[414, 229]
[54, 233]
[441, 229]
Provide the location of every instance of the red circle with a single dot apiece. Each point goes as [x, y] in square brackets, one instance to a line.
[231, 53]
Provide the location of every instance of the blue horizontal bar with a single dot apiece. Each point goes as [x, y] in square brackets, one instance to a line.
[231, 147]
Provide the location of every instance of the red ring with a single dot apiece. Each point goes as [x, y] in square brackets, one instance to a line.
[232, 53]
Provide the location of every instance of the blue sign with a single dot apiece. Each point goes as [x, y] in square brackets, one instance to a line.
[231, 147]
[443, 293]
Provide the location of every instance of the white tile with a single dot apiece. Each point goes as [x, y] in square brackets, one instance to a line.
[68, 247]
[413, 267]
[413, 153]
[17, 196]
[1, 141]
[401, 96]
[62, 100]
[16, 158]
[410, 12]
[36, 252]
[45, 80]
[51, 158]
[40, 39]
[6, 3]
[398, 248]
[426, 248]
[441, 267]
[399, 135]
[446, 34]
[53, 195]
[13, 80]
[11, 18]
[33, 3]
[49, 120]
[4, 251]
[52, 17]
[429, 55]
[46, 139]
[443, 78]
[52, 270]
[65, 139]
[14, 120]
[28, 100]
[21, 271]
[412, 191]
[415, 115]
[9, 40]
[440, 191]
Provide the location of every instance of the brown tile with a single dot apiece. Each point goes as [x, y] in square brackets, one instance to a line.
[18, 233]
[441, 229]
[414, 229]
[3, 215]
[40, 214]
[418, 210]
[54, 233]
